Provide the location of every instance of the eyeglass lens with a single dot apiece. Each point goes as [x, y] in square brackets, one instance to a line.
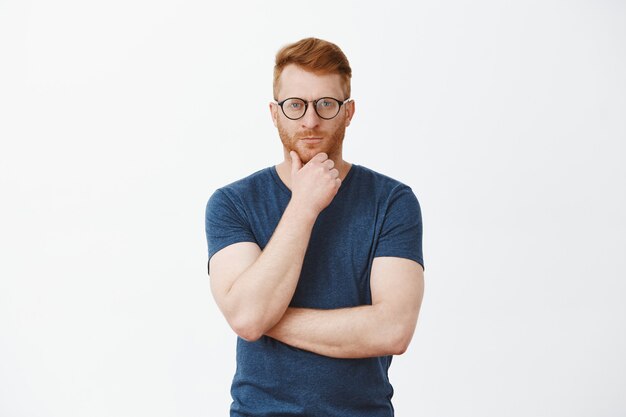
[326, 108]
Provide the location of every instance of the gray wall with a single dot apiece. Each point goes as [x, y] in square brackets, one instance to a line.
[119, 119]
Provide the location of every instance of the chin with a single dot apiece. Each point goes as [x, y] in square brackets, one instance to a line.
[306, 156]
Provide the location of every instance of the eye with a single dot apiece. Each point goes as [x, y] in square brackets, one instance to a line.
[295, 105]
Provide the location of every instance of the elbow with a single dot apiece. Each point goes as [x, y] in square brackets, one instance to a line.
[398, 347]
[250, 336]
[249, 322]
[398, 342]
[248, 330]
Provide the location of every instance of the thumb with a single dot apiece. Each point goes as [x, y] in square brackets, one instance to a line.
[296, 163]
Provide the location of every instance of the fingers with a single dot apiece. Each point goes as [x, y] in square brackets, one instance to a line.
[296, 163]
[315, 184]
[320, 157]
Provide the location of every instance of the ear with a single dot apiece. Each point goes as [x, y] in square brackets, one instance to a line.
[349, 111]
[274, 113]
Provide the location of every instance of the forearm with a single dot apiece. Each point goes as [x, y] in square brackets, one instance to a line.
[356, 332]
[260, 295]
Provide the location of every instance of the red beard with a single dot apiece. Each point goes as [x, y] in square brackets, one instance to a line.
[331, 142]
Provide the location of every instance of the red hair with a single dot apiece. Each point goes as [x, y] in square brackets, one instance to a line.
[314, 55]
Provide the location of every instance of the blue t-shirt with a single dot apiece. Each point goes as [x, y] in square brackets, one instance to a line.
[372, 215]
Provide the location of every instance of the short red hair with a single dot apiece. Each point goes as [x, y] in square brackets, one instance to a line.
[314, 55]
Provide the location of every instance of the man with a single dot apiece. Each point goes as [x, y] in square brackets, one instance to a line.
[316, 263]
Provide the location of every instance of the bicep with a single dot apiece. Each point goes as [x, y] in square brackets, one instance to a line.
[227, 265]
[397, 285]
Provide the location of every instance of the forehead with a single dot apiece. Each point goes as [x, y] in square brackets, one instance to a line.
[297, 82]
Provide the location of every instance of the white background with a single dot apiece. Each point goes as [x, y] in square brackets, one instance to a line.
[118, 119]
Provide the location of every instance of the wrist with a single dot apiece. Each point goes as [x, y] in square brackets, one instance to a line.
[302, 212]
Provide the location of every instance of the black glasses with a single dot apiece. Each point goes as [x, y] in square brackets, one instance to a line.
[326, 108]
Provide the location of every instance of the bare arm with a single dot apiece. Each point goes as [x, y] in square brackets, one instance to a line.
[384, 328]
[253, 288]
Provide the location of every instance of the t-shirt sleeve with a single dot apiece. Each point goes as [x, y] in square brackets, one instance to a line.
[225, 223]
[401, 234]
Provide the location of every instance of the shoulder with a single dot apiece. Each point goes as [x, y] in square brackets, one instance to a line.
[258, 179]
[254, 184]
[383, 186]
[236, 193]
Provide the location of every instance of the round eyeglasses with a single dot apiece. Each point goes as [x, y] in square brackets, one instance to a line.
[326, 108]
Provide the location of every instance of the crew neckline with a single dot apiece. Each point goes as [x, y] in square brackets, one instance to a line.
[285, 189]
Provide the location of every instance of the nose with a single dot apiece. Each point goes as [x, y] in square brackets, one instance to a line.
[310, 120]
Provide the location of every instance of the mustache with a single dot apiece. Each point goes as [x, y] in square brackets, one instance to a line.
[309, 134]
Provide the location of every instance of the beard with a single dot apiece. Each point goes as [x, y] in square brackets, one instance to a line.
[331, 143]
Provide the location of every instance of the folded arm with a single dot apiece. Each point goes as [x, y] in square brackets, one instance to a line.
[252, 287]
[385, 327]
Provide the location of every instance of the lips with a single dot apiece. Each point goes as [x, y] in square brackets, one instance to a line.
[311, 141]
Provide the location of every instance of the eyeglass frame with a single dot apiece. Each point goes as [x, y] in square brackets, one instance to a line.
[306, 106]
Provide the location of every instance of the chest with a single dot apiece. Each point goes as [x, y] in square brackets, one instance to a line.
[336, 268]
